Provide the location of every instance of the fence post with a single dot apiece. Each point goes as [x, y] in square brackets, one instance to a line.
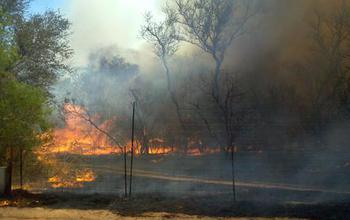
[132, 145]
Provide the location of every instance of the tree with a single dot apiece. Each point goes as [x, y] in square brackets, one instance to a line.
[23, 118]
[41, 43]
[165, 41]
[33, 52]
[212, 25]
[145, 116]
[8, 51]
[326, 71]
[14, 8]
[43, 47]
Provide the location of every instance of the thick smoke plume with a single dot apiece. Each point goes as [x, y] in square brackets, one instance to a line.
[268, 65]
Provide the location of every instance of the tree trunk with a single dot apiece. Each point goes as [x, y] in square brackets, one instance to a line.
[8, 183]
[177, 105]
[217, 78]
[21, 168]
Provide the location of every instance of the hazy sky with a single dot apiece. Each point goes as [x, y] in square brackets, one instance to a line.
[99, 23]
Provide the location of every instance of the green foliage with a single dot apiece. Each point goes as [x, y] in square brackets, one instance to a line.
[23, 114]
[15, 8]
[43, 48]
[8, 52]
[35, 48]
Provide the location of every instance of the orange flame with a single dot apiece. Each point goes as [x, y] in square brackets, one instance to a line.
[74, 181]
[80, 137]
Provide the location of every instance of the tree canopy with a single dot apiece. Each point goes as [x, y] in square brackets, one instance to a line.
[23, 114]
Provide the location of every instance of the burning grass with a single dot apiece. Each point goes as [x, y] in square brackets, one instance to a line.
[77, 180]
[80, 137]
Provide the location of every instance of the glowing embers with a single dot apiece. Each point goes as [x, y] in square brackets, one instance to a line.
[67, 179]
[204, 151]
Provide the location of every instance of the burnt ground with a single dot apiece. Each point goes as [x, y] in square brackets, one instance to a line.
[211, 174]
[205, 206]
[270, 185]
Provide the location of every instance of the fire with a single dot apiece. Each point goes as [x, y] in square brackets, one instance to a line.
[64, 180]
[87, 176]
[205, 151]
[160, 150]
[82, 135]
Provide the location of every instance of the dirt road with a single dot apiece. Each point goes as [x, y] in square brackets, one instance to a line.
[163, 176]
[67, 214]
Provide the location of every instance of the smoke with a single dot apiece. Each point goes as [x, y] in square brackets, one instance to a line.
[277, 37]
[99, 24]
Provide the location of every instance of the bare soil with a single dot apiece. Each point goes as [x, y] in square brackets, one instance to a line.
[43, 213]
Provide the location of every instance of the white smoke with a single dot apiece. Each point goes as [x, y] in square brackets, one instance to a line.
[97, 24]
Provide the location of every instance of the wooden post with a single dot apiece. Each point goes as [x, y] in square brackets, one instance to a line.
[125, 174]
[132, 145]
[233, 173]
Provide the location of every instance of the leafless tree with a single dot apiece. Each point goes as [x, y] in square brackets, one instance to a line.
[165, 40]
[145, 121]
[327, 71]
[212, 25]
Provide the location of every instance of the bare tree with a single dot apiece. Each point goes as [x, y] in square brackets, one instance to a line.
[145, 119]
[327, 70]
[212, 25]
[165, 40]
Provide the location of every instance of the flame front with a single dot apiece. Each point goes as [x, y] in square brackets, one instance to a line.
[82, 135]
[67, 180]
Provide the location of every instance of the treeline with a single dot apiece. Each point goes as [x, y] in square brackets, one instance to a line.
[231, 88]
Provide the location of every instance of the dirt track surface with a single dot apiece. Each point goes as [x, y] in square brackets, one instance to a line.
[162, 176]
[43, 213]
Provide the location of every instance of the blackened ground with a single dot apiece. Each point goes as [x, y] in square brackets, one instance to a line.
[209, 205]
[304, 177]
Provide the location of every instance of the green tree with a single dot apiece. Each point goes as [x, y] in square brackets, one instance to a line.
[23, 118]
[8, 52]
[40, 41]
[43, 47]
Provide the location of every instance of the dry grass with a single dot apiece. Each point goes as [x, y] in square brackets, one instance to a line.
[12, 213]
